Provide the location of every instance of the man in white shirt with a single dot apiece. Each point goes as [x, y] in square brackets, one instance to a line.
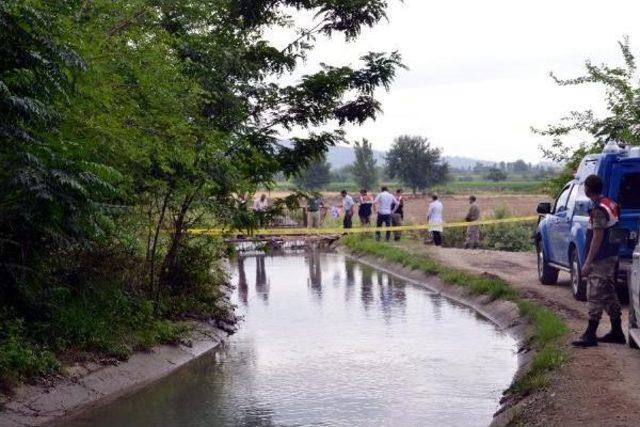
[384, 202]
[347, 206]
[435, 219]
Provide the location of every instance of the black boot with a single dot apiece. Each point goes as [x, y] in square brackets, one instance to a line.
[589, 338]
[616, 335]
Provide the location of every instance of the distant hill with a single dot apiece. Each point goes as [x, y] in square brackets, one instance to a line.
[342, 156]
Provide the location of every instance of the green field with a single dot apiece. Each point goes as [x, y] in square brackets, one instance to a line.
[452, 187]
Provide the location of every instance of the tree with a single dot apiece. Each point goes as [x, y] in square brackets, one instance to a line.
[315, 177]
[126, 123]
[622, 121]
[364, 168]
[494, 174]
[519, 166]
[418, 165]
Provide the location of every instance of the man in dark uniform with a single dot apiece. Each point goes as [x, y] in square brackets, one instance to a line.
[600, 267]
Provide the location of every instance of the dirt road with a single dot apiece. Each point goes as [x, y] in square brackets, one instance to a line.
[598, 386]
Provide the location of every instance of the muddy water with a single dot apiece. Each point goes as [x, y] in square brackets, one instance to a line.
[327, 341]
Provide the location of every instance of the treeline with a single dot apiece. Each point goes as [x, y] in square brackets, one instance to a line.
[126, 123]
[411, 160]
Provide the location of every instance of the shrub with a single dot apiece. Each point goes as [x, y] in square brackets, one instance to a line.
[513, 237]
[196, 282]
[20, 358]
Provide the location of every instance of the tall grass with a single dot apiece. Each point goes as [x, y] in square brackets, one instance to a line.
[548, 329]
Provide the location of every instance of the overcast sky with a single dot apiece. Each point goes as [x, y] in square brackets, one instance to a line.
[479, 70]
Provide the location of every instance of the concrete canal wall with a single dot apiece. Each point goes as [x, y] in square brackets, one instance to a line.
[88, 385]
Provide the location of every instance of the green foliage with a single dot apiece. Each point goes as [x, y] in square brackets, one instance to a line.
[364, 168]
[416, 163]
[125, 124]
[511, 237]
[496, 175]
[20, 357]
[314, 177]
[622, 95]
[514, 237]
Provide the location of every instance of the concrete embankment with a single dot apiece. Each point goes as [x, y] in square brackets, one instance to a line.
[87, 385]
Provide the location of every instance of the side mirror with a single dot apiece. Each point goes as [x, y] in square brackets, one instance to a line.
[544, 208]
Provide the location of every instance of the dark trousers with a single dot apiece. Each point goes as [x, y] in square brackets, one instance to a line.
[347, 222]
[437, 238]
[386, 220]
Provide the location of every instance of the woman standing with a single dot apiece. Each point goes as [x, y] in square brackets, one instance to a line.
[365, 209]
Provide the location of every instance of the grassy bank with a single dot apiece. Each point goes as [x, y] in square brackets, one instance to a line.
[548, 328]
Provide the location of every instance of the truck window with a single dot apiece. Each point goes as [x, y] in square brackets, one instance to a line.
[628, 193]
[582, 202]
[572, 197]
[561, 201]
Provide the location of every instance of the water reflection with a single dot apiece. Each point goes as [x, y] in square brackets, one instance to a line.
[395, 354]
[315, 271]
[262, 285]
[243, 286]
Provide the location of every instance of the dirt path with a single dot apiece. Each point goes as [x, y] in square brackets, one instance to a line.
[598, 386]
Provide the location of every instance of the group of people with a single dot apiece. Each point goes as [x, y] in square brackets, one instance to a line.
[389, 208]
[390, 212]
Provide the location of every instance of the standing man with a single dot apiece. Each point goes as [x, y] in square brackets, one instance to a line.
[600, 267]
[314, 204]
[366, 205]
[473, 231]
[347, 206]
[398, 214]
[383, 203]
[435, 219]
[260, 206]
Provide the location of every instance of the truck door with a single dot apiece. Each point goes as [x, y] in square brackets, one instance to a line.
[560, 228]
[624, 188]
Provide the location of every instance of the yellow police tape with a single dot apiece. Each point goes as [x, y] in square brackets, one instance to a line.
[337, 230]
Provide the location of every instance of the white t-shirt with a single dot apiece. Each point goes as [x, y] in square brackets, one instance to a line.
[260, 206]
[347, 203]
[434, 215]
[384, 201]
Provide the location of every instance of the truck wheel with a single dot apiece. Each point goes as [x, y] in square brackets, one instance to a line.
[546, 274]
[578, 284]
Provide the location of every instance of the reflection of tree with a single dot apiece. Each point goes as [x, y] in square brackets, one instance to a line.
[436, 302]
[350, 270]
[366, 292]
[257, 417]
[315, 273]
[386, 297]
[262, 288]
[243, 288]
[399, 293]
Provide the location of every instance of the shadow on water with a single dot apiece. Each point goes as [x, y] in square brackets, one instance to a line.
[366, 349]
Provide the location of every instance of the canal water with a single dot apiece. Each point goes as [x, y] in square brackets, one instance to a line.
[327, 341]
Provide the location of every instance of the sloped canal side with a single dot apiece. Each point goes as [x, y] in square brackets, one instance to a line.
[329, 341]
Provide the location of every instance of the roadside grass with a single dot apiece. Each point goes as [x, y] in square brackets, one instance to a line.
[548, 329]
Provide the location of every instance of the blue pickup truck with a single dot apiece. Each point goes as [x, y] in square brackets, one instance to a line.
[561, 231]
